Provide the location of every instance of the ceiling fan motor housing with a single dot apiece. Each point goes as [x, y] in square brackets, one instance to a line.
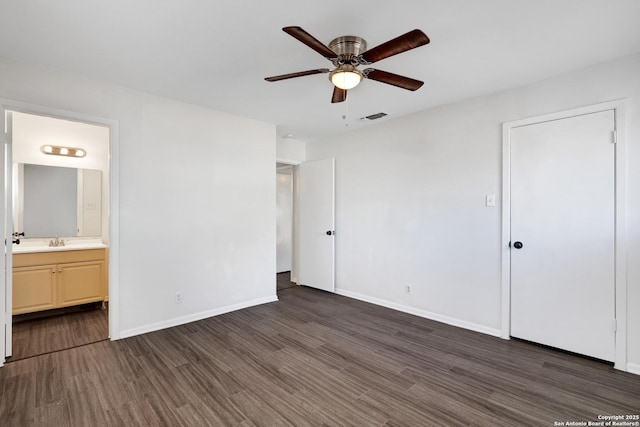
[348, 48]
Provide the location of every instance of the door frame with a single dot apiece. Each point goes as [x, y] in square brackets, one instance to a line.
[6, 261]
[619, 107]
[295, 255]
[290, 188]
[113, 208]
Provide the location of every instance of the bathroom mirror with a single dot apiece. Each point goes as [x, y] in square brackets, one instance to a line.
[57, 201]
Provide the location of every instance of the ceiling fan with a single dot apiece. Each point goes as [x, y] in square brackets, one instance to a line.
[348, 52]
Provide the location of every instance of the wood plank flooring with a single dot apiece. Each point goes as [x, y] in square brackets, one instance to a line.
[39, 333]
[312, 359]
[283, 281]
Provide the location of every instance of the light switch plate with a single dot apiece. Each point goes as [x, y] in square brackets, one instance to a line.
[491, 200]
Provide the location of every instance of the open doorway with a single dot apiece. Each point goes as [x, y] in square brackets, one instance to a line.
[284, 226]
[57, 275]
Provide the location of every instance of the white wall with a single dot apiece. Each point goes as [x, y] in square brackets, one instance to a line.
[93, 214]
[410, 199]
[290, 151]
[197, 197]
[31, 131]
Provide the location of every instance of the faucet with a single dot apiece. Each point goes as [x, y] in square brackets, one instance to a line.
[57, 242]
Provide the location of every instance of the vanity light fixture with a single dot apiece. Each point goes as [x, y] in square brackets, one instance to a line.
[63, 151]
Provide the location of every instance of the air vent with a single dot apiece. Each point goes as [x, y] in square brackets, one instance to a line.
[375, 116]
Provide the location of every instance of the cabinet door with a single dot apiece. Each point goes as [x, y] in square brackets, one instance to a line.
[80, 283]
[34, 288]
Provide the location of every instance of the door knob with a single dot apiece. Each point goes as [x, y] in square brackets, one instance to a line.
[330, 232]
[518, 245]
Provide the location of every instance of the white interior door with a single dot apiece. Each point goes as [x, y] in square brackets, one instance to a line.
[7, 231]
[316, 187]
[563, 234]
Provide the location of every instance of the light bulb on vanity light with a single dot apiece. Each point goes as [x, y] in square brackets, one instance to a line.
[62, 151]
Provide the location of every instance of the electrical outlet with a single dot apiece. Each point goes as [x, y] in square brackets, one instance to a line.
[407, 289]
[178, 297]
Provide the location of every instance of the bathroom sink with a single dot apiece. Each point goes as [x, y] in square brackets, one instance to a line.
[42, 245]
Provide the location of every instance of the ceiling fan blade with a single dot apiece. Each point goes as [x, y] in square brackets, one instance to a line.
[403, 43]
[339, 95]
[298, 74]
[310, 41]
[392, 79]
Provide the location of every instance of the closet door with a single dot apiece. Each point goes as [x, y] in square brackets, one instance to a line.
[563, 234]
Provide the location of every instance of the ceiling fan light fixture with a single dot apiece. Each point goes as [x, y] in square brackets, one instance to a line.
[345, 77]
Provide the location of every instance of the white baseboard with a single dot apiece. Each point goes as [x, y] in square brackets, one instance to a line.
[422, 313]
[633, 368]
[193, 317]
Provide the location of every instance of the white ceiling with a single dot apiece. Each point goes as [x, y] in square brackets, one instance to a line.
[216, 54]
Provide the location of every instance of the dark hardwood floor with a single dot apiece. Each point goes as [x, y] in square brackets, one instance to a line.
[54, 330]
[312, 359]
[283, 281]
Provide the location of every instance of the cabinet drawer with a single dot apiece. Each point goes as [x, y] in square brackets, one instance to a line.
[57, 257]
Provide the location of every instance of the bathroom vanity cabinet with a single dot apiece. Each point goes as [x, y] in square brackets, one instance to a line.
[46, 280]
